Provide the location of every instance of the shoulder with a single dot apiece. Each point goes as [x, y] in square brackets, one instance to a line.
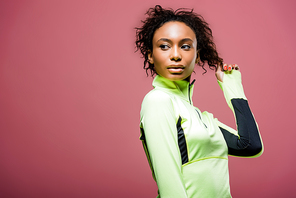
[157, 100]
[156, 96]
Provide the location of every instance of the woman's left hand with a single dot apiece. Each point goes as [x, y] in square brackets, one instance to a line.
[226, 68]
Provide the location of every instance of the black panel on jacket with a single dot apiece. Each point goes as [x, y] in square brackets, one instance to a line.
[182, 142]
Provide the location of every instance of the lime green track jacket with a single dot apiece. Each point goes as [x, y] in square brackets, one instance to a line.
[187, 149]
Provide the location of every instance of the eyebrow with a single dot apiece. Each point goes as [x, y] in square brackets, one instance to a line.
[168, 40]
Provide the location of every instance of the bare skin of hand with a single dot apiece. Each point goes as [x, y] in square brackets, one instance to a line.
[227, 68]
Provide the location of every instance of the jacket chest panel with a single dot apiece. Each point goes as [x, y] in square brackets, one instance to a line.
[203, 137]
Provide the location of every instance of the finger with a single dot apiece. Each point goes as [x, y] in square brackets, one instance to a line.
[235, 66]
[225, 67]
[230, 67]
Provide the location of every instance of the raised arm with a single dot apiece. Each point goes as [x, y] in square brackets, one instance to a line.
[246, 141]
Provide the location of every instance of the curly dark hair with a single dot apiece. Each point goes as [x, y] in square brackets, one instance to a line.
[158, 16]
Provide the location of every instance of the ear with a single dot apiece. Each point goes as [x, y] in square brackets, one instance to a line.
[150, 58]
[197, 57]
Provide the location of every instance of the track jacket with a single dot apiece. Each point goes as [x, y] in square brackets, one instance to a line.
[187, 149]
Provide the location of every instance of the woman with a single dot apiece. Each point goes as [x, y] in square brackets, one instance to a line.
[188, 149]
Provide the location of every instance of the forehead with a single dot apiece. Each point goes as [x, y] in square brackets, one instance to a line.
[174, 30]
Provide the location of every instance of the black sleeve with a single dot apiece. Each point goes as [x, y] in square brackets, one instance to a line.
[248, 143]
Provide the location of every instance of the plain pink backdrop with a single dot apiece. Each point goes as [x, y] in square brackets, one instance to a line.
[71, 87]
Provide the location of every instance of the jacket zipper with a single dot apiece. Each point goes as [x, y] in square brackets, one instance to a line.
[190, 101]
[189, 90]
[200, 118]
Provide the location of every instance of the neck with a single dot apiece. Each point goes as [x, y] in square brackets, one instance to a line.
[188, 78]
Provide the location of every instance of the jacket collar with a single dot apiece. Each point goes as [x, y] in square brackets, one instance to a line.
[182, 88]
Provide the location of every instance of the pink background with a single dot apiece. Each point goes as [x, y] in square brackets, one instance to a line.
[71, 87]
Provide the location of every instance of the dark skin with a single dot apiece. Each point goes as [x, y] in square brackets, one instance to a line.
[175, 53]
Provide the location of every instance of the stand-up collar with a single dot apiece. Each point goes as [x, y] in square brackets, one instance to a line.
[182, 88]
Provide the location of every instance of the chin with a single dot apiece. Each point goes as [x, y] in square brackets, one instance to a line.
[177, 77]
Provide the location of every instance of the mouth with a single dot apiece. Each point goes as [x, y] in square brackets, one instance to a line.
[176, 68]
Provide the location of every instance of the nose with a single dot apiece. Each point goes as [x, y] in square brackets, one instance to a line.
[175, 54]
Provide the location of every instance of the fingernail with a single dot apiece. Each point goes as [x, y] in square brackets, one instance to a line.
[229, 68]
[225, 66]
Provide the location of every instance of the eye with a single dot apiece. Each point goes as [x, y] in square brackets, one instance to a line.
[186, 47]
[164, 46]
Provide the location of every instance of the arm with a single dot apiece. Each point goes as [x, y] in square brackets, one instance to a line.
[159, 135]
[246, 141]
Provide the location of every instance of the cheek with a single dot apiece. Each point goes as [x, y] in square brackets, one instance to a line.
[158, 58]
[192, 58]
[157, 62]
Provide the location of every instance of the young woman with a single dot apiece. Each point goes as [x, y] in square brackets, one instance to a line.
[188, 149]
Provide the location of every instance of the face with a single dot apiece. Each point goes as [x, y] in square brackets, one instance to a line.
[174, 51]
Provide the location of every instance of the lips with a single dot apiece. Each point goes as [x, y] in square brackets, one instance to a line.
[176, 68]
